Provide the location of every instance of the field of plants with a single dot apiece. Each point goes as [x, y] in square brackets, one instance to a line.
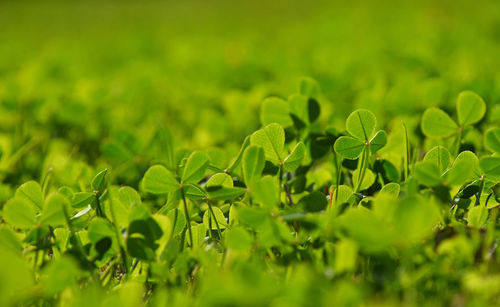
[253, 153]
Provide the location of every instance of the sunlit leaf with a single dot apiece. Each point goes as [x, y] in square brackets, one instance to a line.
[159, 180]
[470, 108]
[361, 124]
[436, 123]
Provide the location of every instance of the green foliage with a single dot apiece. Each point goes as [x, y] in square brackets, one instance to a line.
[19, 213]
[470, 108]
[436, 123]
[253, 163]
[272, 139]
[195, 167]
[294, 159]
[159, 180]
[349, 147]
[275, 110]
[180, 159]
[492, 140]
[351, 202]
[361, 124]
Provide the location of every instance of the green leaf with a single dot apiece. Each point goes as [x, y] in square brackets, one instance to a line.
[166, 228]
[436, 123]
[348, 147]
[194, 192]
[428, 173]
[32, 192]
[345, 256]
[236, 162]
[477, 216]
[369, 231]
[19, 213]
[253, 164]
[9, 240]
[99, 181]
[129, 197]
[220, 179]
[299, 109]
[309, 88]
[252, 217]
[195, 167]
[224, 193]
[415, 219]
[343, 194]
[272, 139]
[178, 221]
[378, 141]
[368, 179]
[391, 189]
[470, 108]
[147, 229]
[440, 156]
[470, 158]
[17, 279]
[490, 167]
[82, 199]
[361, 124]
[304, 110]
[208, 219]
[294, 159]
[492, 139]
[275, 110]
[165, 147]
[60, 274]
[100, 228]
[460, 172]
[313, 202]
[159, 180]
[265, 192]
[199, 233]
[238, 238]
[53, 213]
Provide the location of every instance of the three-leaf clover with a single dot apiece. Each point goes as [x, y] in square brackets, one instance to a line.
[470, 110]
[361, 126]
[272, 140]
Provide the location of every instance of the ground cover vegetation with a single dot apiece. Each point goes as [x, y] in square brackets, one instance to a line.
[264, 154]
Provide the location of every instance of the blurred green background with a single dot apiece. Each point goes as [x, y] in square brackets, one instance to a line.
[88, 73]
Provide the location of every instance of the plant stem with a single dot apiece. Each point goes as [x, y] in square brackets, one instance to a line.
[117, 232]
[338, 165]
[280, 176]
[188, 219]
[46, 182]
[98, 205]
[406, 157]
[364, 163]
[289, 195]
[478, 195]
[459, 140]
[215, 219]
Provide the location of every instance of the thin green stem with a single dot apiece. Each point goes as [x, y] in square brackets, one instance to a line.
[215, 219]
[46, 182]
[188, 219]
[364, 164]
[480, 192]
[280, 176]
[459, 140]
[98, 205]
[338, 164]
[117, 232]
[406, 157]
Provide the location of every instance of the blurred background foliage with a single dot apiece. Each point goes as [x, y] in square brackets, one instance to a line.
[91, 84]
[98, 68]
